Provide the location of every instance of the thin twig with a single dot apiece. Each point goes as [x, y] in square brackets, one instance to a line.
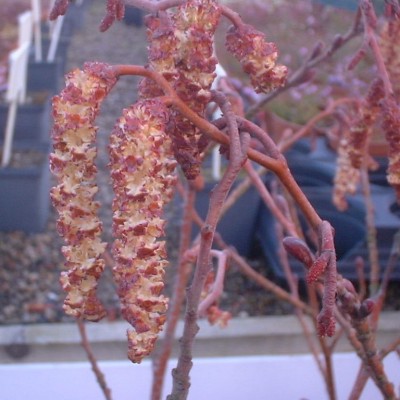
[93, 361]
[218, 284]
[181, 373]
[178, 295]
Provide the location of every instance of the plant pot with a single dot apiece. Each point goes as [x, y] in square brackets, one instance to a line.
[75, 17]
[32, 125]
[44, 76]
[133, 16]
[237, 226]
[24, 200]
[387, 224]
[61, 52]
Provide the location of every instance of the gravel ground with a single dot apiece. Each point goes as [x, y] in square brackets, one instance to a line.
[30, 264]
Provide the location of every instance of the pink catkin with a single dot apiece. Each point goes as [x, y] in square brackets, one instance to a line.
[142, 171]
[73, 164]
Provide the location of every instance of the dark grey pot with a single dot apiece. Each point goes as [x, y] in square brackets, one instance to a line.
[237, 226]
[25, 200]
[32, 124]
[44, 76]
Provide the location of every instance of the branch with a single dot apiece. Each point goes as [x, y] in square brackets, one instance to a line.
[178, 296]
[369, 21]
[154, 6]
[218, 284]
[269, 201]
[358, 313]
[287, 142]
[92, 359]
[180, 374]
[275, 162]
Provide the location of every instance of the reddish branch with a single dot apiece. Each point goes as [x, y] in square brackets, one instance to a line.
[365, 335]
[178, 295]
[92, 359]
[218, 284]
[268, 200]
[181, 381]
[276, 162]
[369, 22]
[115, 8]
[363, 374]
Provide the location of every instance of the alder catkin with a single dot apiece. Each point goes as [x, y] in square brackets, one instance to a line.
[72, 163]
[142, 171]
[181, 49]
[257, 57]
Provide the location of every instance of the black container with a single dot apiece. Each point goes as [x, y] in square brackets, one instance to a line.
[24, 197]
[387, 224]
[349, 228]
[237, 226]
[133, 16]
[44, 76]
[32, 125]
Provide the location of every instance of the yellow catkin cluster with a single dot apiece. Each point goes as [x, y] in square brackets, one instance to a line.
[72, 162]
[142, 167]
[346, 178]
[353, 151]
[391, 127]
[257, 57]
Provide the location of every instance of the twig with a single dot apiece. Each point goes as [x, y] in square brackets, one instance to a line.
[181, 373]
[218, 284]
[363, 374]
[178, 295]
[369, 22]
[365, 335]
[268, 200]
[287, 142]
[154, 6]
[325, 369]
[92, 359]
[371, 233]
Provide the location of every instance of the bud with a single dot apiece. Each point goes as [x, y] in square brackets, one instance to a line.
[299, 250]
[366, 308]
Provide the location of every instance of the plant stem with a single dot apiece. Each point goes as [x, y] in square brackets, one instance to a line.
[178, 296]
[92, 359]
